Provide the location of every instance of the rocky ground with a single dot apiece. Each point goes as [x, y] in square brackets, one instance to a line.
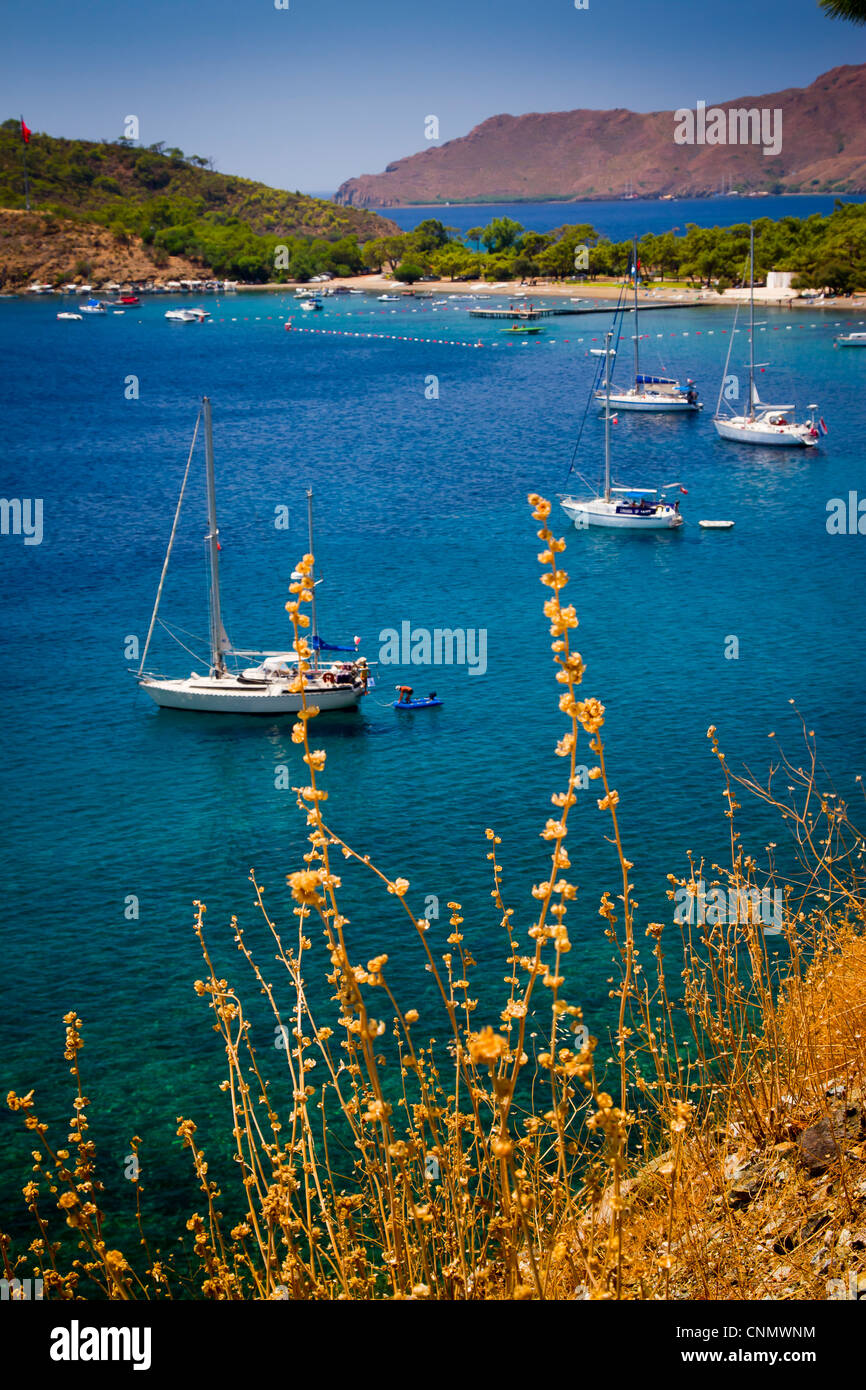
[38, 246]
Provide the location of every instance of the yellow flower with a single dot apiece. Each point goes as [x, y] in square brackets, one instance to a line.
[305, 885]
[553, 830]
[486, 1046]
[591, 714]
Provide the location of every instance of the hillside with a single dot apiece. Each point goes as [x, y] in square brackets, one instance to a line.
[41, 246]
[162, 211]
[88, 177]
[596, 154]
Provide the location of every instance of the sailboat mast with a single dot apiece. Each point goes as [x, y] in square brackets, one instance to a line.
[312, 580]
[607, 365]
[636, 353]
[217, 658]
[751, 321]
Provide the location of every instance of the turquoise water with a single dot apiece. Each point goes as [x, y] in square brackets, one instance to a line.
[421, 518]
[619, 218]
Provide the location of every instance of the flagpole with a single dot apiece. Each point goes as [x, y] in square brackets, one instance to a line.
[24, 157]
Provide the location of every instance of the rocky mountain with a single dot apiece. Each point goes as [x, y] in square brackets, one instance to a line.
[600, 154]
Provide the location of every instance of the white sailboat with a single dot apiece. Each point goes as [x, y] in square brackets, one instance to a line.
[651, 393]
[265, 687]
[759, 422]
[621, 508]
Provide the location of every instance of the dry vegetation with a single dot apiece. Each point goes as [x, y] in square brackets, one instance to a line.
[721, 1154]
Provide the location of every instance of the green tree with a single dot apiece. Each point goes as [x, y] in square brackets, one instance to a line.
[500, 234]
[408, 271]
[428, 236]
[532, 242]
[827, 275]
[454, 261]
[394, 248]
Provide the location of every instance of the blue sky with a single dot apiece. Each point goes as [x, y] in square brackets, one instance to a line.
[311, 95]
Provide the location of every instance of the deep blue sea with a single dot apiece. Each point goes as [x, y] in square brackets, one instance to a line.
[422, 517]
[620, 218]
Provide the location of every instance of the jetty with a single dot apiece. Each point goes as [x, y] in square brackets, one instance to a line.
[560, 311]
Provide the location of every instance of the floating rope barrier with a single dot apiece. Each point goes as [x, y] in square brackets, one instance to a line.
[375, 335]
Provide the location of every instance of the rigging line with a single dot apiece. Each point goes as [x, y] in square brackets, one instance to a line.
[170, 544]
[728, 359]
[591, 397]
[171, 628]
[199, 659]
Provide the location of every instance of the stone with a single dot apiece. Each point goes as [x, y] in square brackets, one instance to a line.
[745, 1184]
[821, 1144]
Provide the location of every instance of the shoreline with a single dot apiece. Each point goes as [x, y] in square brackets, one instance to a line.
[383, 209]
[561, 290]
[515, 290]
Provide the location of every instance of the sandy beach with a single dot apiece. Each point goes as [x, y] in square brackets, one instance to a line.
[549, 289]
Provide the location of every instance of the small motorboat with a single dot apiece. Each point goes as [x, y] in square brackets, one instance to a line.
[310, 306]
[408, 700]
[125, 301]
[388, 298]
[69, 316]
[522, 328]
[716, 525]
[93, 306]
[187, 315]
[851, 340]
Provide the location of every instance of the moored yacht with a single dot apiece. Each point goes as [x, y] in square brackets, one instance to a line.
[272, 685]
[759, 422]
[650, 393]
[622, 508]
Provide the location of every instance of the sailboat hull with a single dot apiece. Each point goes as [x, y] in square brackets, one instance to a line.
[779, 436]
[613, 515]
[647, 401]
[228, 696]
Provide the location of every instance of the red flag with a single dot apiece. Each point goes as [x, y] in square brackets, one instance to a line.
[25, 132]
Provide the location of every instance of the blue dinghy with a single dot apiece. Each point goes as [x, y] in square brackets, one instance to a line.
[407, 699]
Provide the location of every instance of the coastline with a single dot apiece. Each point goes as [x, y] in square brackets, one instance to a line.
[544, 289]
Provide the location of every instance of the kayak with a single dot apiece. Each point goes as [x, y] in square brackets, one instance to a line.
[416, 704]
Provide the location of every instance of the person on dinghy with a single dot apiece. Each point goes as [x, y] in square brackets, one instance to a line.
[405, 694]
